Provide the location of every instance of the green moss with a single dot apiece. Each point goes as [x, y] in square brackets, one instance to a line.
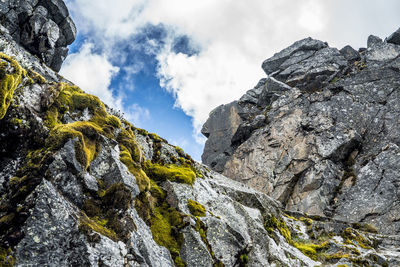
[72, 98]
[272, 223]
[142, 180]
[36, 77]
[179, 262]
[163, 222]
[87, 134]
[107, 209]
[350, 235]
[163, 219]
[342, 265]
[202, 229]
[365, 227]
[244, 259]
[196, 208]
[336, 256]
[218, 264]
[92, 207]
[310, 249]
[180, 151]
[127, 139]
[7, 219]
[290, 217]
[306, 247]
[334, 80]
[142, 132]
[156, 191]
[86, 225]
[174, 173]
[8, 82]
[17, 122]
[113, 121]
[155, 137]
[6, 258]
[117, 196]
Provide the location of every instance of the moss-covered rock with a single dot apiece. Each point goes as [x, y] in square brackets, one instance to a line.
[142, 180]
[10, 77]
[173, 173]
[196, 208]
[6, 257]
[87, 133]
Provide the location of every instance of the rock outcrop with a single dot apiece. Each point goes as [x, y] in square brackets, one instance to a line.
[320, 133]
[81, 186]
[43, 27]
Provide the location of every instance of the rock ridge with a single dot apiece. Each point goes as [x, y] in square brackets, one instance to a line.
[81, 186]
[43, 27]
[320, 133]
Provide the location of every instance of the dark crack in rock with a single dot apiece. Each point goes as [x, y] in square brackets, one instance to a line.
[329, 144]
[42, 27]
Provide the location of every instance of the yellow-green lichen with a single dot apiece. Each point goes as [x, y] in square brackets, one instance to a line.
[6, 257]
[306, 247]
[196, 208]
[36, 77]
[272, 223]
[180, 151]
[174, 173]
[107, 209]
[366, 227]
[73, 99]
[86, 225]
[162, 224]
[87, 133]
[126, 138]
[310, 249]
[350, 235]
[10, 77]
[244, 259]
[142, 180]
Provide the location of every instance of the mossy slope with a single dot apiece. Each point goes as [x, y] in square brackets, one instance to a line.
[10, 77]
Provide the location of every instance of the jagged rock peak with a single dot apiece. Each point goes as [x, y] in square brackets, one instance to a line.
[43, 27]
[320, 133]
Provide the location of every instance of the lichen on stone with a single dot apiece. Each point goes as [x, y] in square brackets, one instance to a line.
[142, 180]
[6, 257]
[86, 225]
[10, 77]
[87, 133]
[173, 173]
[196, 208]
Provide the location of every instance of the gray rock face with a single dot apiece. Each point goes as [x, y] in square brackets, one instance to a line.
[80, 189]
[43, 27]
[222, 123]
[330, 142]
[350, 53]
[394, 38]
[300, 50]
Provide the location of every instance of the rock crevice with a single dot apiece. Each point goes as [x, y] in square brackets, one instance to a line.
[333, 118]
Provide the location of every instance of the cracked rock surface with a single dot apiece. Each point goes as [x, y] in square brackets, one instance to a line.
[81, 186]
[329, 141]
[43, 27]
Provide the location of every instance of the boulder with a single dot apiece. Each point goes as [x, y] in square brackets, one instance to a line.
[43, 27]
[394, 38]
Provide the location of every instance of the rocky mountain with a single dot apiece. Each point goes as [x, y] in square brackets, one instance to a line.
[320, 134]
[43, 27]
[81, 186]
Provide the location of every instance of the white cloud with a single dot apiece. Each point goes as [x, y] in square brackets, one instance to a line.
[234, 37]
[93, 74]
[137, 114]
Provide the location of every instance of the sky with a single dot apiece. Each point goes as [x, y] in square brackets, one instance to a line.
[165, 64]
